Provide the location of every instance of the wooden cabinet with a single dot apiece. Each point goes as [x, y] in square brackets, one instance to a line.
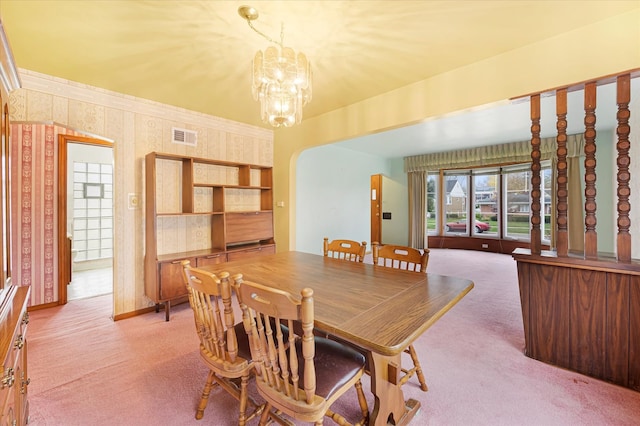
[203, 210]
[14, 408]
[14, 380]
[582, 314]
[248, 226]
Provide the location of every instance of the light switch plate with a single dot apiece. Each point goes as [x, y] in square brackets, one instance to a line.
[134, 201]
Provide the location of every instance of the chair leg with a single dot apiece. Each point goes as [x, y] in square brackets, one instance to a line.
[418, 368]
[265, 417]
[205, 396]
[242, 418]
[364, 407]
[341, 421]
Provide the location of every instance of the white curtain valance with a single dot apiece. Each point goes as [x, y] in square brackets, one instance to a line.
[513, 152]
[575, 145]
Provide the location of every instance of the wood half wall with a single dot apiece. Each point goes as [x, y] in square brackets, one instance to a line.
[581, 311]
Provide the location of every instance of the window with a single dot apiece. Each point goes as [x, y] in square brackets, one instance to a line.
[475, 199]
[517, 181]
[485, 194]
[456, 211]
[517, 201]
[432, 201]
[92, 211]
[545, 201]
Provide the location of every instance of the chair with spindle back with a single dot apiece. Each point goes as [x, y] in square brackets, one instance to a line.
[224, 346]
[413, 260]
[305, 380]
[400, 257]
[345, 249]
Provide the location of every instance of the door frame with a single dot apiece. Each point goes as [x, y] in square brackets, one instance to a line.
[64, 245]
[376, 208]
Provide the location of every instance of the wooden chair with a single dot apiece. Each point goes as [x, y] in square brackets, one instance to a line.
[304, 381]
[409, 259]
[227, 356]
[345, 249]
[400, 257]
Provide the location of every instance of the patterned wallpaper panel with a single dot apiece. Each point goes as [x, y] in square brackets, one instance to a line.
[34, 215]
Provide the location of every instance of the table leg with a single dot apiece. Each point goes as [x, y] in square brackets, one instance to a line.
[389, 405]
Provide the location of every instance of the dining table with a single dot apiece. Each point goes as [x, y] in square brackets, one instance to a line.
[380, 310]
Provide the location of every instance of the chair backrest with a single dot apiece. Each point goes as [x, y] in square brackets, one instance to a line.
[345, 249]
[400, 257]
[210, 300]
[276, 367]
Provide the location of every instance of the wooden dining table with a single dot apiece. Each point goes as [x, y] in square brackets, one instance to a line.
[381, 310]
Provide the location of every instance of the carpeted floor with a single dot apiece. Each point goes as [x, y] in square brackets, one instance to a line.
[88, 370]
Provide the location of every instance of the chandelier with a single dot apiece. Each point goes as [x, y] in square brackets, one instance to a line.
[281, 78]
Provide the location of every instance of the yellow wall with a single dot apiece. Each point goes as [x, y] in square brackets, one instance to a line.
[605, 48]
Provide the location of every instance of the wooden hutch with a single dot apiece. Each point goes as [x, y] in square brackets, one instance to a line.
[232, 203]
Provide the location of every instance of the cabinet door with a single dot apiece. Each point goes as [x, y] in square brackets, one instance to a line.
[7, 401]
[21, 404]
[249, 226]
[212, 259]
[172, 283]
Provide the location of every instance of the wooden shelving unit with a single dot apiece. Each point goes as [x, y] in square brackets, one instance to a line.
[235, 200]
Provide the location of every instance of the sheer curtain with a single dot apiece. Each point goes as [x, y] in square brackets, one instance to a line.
[417, 209]
[575, 193]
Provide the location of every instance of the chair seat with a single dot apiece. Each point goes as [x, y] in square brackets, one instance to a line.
[338, 364]
[243, 341]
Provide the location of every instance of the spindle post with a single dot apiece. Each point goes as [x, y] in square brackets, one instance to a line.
[562, 236]
[535, 175]
[590, 220]
[624, 237]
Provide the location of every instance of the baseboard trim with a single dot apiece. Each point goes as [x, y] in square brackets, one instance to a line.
[134, 313]
[43, 306]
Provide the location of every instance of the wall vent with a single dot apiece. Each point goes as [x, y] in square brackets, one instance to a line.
[184, 136]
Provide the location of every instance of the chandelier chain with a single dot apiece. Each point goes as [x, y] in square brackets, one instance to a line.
[269, 39]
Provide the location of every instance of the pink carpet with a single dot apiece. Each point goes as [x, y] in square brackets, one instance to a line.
[88, 370]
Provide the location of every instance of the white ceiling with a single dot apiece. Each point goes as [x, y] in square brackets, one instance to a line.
[197, 54]
[489, 125]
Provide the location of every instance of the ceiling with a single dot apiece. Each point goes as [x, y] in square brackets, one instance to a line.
[197, 54]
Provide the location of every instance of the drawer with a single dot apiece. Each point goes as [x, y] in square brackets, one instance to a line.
[249, 226]
[255, 251]
[211, 259]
